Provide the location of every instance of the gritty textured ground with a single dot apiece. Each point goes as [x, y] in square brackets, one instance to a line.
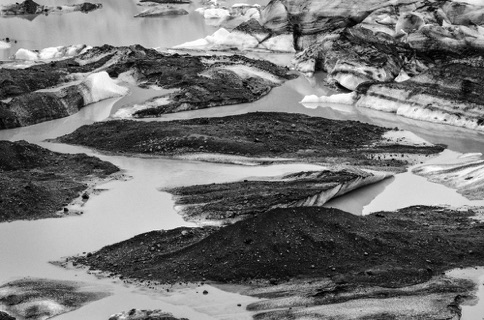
[260, 134]
[390, 249]
[36, 182]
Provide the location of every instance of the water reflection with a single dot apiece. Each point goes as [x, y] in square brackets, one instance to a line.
[356, 201]
[287, 97]
[55, 128]
[113, 24]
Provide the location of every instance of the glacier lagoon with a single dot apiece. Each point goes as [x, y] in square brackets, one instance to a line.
[128, 208]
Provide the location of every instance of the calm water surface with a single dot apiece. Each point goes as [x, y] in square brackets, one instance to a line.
[128, 208]
[112, 24]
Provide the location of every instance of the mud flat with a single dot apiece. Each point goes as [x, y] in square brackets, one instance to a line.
[261, 138]
[37, 183]
[314, 259]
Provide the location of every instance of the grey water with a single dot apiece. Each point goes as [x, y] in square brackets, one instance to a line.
[113, 24]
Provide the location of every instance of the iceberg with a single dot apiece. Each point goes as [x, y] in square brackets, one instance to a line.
[342, 98]
[223, 39]
[99, 86]
[50, 53]
[467, 176]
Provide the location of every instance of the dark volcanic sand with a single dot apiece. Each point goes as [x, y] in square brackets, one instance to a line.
[391, 249]
[36, 182]
[259, 134]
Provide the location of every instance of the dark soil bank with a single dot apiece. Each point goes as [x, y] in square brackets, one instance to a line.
[391, 249]
[260, 134]
[36, 182]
